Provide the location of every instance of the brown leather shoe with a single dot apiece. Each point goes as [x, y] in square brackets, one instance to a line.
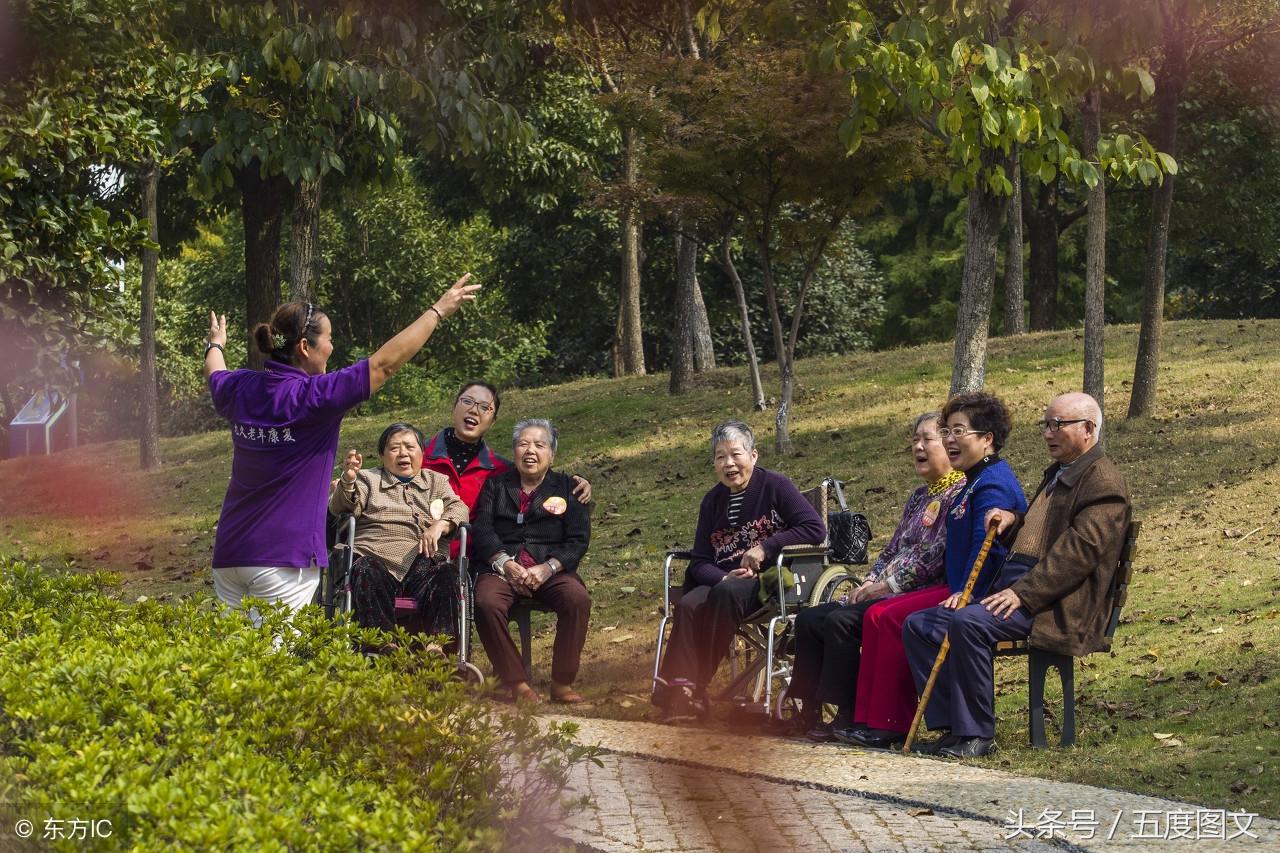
[565, 694]
[522, 692]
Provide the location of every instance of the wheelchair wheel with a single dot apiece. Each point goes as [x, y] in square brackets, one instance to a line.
[470, 673]
[785, 709]
[833, 583]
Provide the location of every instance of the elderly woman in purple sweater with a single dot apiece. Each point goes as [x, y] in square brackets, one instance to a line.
[743, 523]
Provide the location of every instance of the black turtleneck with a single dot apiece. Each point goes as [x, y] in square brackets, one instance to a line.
[982, 464]
[460, 452]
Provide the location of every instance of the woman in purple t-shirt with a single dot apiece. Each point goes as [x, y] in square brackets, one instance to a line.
[284, 431]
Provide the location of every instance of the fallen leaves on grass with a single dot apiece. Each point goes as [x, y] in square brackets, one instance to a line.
[1167, 739]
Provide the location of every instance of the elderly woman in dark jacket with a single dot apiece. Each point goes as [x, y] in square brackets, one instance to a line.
[744, 522]
[532, 532]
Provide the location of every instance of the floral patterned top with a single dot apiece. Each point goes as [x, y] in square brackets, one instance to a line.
[914, 557]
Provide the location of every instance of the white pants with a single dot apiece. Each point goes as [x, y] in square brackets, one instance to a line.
[292, 587]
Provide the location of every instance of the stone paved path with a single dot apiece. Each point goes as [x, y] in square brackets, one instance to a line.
[690, 789]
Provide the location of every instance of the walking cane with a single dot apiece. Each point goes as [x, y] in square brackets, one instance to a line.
[946, 640]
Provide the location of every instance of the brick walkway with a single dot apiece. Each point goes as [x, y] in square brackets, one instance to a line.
[690, 789]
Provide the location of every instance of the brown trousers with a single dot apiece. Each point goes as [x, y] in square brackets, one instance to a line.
[565, 593]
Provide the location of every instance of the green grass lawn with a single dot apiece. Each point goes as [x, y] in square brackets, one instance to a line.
[1195, 657]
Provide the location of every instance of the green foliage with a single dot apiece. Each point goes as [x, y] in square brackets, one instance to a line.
[94, 107]
[844, 304]
[318, 88]
[918, 240]
[187, 728]
[981, 77]
[386, 256]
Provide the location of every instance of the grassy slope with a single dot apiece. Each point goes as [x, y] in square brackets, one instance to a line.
[1195, 658]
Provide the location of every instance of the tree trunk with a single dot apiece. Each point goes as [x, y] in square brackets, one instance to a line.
[615, 351]
[149, 439]
[1095, 255]
[782, 431]
[304, 242]
[263, 206]
[1043, 228]
[704, 351]
[973, 315]
[682, 321]
[629, 345]
[1170, 82]
[688, 36]
[753, 363]
[1014, 314]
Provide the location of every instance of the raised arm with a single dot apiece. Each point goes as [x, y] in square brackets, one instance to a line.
[214, 359]
[392, 355]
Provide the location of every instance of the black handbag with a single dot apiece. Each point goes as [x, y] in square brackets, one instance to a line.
[848, 533]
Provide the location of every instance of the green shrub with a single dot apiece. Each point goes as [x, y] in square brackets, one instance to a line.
[187, 729]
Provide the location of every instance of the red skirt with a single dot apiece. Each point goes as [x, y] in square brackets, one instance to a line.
[886, 697]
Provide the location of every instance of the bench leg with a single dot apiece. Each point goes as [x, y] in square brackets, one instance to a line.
[1038, 665]
[1067, 667]
[522, 619]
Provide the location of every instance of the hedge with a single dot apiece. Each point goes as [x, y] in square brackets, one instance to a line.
[188, 728]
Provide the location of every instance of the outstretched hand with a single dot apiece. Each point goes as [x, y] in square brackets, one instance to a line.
[456, 296]
[217, 329]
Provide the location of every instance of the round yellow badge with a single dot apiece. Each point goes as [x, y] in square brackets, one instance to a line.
[555, 505]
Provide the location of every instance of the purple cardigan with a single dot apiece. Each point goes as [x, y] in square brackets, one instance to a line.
[774, 514]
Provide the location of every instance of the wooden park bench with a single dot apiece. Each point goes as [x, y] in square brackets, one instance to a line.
[1039, 661]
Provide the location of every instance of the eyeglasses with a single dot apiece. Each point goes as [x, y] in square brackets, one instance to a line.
[956, 432]
[1055, 424]
[468, 403]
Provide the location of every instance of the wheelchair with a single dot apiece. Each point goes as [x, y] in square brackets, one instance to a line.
[760, 657]
[334, 593]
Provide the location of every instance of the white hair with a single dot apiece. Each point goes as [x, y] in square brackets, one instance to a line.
[733, 431]
[540, 423]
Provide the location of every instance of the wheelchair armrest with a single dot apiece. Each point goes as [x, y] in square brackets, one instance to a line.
[672, 555]
[346, 531]
[803, 551]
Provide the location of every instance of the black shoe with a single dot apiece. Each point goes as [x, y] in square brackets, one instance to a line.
[969, 747]
[820, 732]
[876, 738]
[681, 706]
[845, 734]
[931, 747]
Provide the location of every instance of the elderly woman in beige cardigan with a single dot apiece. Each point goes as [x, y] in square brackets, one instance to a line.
[403, 515]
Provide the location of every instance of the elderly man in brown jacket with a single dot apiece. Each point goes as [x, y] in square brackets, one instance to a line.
[1052, 588]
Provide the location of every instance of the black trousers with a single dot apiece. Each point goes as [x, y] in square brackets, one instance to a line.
[706, 618]
[828, 651]
[374, 591]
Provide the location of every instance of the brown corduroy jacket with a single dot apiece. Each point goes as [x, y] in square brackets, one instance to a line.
[1067, 590]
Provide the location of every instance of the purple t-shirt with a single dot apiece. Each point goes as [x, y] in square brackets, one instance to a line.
[284, 428]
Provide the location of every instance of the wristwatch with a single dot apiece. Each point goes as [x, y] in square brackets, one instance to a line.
[211, 345]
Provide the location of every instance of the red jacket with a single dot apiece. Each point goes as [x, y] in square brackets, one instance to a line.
[466, 484]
